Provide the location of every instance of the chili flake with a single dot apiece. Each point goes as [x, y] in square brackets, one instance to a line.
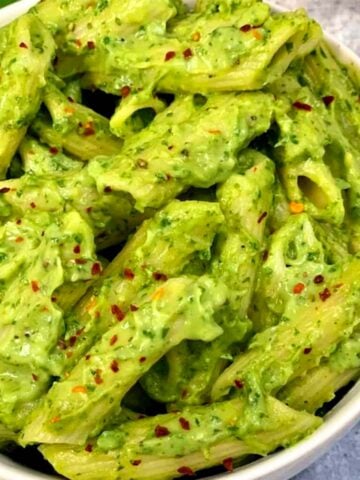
[113, 340]
[53, 150]
[262, 216]
[77, 249]
[89, 448]
[158, 276]
[33, 205]
[90, 45]
[96, 269]
[328, 100]
[135, 462]
[4, 190]
[185, 424]
[187, 53]
[239, 384]
[298, 288]
[80, 261]
[55, 419]
[186, 471]
[142, 359]
[19, 239]
[125, 91]
[72, 340]
[318, 279]
[161, 431]
[107, 189]
[114, 366]
[87, 357]
[134, 308]
[89, 129]
[296, 207]
[35, 286]
[117, 312]
[307, 350]
[129, 274]
[228, 464]
[97, 378]
[196, 37]
[34, 377]
[78, 42]
[169, 56]
[325, 294]
[302, 106]
[79, 389]
[23, 45]
[245, 28]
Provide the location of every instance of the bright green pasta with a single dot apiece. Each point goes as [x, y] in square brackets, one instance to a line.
[179, 235]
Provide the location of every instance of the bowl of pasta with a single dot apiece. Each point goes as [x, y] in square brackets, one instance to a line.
[180, 239]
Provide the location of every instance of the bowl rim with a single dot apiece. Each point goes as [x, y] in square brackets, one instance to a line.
[285, 463]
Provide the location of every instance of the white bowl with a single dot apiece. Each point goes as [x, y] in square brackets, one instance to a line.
[278, 466]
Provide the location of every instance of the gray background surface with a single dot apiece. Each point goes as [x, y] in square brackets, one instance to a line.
[341, 18]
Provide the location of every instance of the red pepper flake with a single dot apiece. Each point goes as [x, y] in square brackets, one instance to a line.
[328, 100]
[325, 294]
[33, 205]
[80, 332]
[246, 28]
[77, 249]
[169, 56]
[88, 209]
[34, 377]
[262, 216]
[129, 274]
[87, 357]
[53, 150]
[114, 366]
[228, 464]
[265, 255]
[318, 279]
[4, 190]
[134, 308]
[302, 106]
[239, 384]
[35, 286]
[72, 340]
[107, 189]
[91, 45]
[96, 269]
[168, 177]
[55, 419]
[158, 276]
[89, 448]
[187, 53]
[161, 431]
[19, 239]
[119, 314]
[71, 100]
[89, 129]
[97, 378]
[307, 350]
[23, 45]
[142, 359]
[80, 261]
[54, 299]
[185, 424]
[113, 340]
[78, 42]
[186, 471]
[298, 288]
[135, 462]
[125, 91]
[215, 131]
[19, 221]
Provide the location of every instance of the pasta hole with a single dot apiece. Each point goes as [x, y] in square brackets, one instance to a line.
[312, 192]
